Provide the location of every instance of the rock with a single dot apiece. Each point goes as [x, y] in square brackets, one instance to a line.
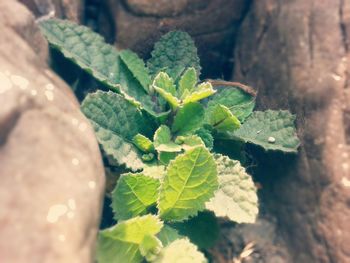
[212, 23]
[52, 178]
[296, 55]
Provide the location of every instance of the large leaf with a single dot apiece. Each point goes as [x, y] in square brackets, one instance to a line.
[180, 251]
[133, 195]
[173, 53]
[236, 197]
[123, 71]
[190, 181]
[116, 121]
[202, 230]
[188, 119]
[121, 242]
[272, 130]
[241, 103]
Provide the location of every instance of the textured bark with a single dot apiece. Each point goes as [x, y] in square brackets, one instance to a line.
[295, 53]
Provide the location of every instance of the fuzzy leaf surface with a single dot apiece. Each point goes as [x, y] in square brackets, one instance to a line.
[236, 197]
[240, 103]
[173, 53]
[189, 118]
[133, 195]
[206, 136]
[121, 242]
[190, 181]
[123, 71]
[272, 130]
[116, 121]
[181, 250]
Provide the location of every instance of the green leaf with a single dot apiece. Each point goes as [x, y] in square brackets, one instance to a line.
[133, 195]
[222, 119]
[163, 81]
[236, 197]
[163, 142]
[165, 157]
[122, 71]
[172, 100]
[174, 52]
[168, 234]
[188, 81]
[272, 130]
[202, 91]
[137, 67]
[240, 103]
[205, 135]
[150, 247]
[116, 121]
[121, 242]
[143, 143]
[181, 250]
[202, 230]
[189, 118]
[190, 181]
[189, 142]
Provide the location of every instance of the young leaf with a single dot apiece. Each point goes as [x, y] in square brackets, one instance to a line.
[222, 119]
[272, 130]
[116, 121]
[189, 118]
[143, 143]
[202, 230]
[168, 234]
[191, 180]
[240, 103]
[163, 81]
[137, 67]
[133, 195]
[150, 247]
[236, 197]
[202, 91]
[165, 157]
[181, 250]
[189, 142]
[171, 99]
[162, 140]
[121, 242]
[174, 52]
[188, 81]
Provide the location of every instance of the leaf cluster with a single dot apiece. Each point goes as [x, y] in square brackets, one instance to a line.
[160, 122]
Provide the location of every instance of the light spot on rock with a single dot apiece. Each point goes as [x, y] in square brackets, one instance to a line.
[71, 204]
[49, 95]
[345, 181]
[271, 139]
[345, 166]
[75, 161]
[82, 126]
[55, 212]
[33, 92]
[19, 81]
[5, 83]
[336, 77]
[62, 238]
[75, 121]
[49, 86]
[92, 184]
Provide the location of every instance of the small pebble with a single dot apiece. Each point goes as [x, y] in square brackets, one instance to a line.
[271, 139]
